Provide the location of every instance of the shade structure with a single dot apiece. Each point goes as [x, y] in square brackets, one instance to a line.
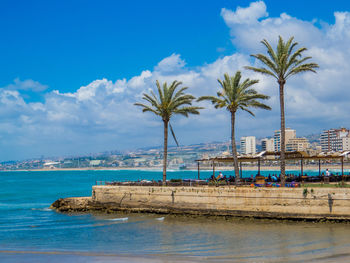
[296, 155]
[274, 156]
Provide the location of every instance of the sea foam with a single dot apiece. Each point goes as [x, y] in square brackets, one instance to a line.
[119, 219]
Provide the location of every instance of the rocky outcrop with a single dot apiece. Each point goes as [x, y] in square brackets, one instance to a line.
[73, 204]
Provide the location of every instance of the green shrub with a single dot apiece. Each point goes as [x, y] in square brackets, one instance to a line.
[305, 192]
[175, 180]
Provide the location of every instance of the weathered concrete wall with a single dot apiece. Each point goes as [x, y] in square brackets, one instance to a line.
[328, 203]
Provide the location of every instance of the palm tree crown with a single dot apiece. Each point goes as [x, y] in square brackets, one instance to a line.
[169, 102]
[236, 95]
[285, 62]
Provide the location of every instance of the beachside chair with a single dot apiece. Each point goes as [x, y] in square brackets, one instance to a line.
[260, 180]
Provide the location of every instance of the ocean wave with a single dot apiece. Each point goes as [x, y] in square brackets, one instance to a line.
[45, 209]
[18, 206]
[119, 219]
[160, 218]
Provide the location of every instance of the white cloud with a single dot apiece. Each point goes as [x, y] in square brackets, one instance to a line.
[141, 80]
[249, 15]
[27, 85]
[103, 110]
[340, 30]
[247, 36]
[170, 64]
[101, 115]
[322, 97]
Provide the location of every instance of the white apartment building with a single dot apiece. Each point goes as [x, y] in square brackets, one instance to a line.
[268, 144]
[346, 143]
[297, 144]
[332, 140]
[248, 145]
[290, 134]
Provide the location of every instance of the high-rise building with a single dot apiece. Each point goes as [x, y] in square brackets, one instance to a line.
[248, 145]
[290, 134]
[346, 143]
[297, 144]
[268, 145]
[332, 140]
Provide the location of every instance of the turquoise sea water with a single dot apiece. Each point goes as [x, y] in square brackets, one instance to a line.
[30, 232]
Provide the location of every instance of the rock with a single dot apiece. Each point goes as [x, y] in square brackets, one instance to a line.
[71, 204]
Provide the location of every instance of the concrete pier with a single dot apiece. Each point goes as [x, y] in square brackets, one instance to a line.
[282, 203]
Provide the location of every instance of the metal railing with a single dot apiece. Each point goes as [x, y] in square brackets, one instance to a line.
[296, 180]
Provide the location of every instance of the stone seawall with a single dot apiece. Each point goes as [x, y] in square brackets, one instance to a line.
[284, 203]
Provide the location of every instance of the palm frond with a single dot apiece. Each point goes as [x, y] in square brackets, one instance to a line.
[270, 51]
[160, 92]
[146, 108]
[302, 68]
[265, 60]
[247, 110]
[262, 70]
[170, 91]
[173, 134]
[259, 105]
[185, 111]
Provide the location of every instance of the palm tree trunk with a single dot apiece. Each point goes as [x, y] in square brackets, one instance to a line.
[283, 135]
[165, 152]
[234, 148]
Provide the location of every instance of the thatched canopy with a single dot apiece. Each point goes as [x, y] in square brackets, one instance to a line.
[296, 155]
[274, 156]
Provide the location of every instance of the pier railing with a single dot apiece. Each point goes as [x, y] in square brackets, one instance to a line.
[160, 183]
[292, 181]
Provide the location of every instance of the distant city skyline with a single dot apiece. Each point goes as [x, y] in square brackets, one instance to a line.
[185, 156]
[71, 71]
[159, 148]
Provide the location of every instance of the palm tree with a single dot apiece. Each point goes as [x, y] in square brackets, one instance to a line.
[234, 96]
[168, 103]
[281, 65]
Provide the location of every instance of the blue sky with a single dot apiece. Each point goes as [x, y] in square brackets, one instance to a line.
[67, 44]
[71, 69]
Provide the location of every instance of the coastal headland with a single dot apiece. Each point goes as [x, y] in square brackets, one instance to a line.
[264, 202]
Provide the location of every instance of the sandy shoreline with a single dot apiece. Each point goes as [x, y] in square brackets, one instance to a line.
[77, 256]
